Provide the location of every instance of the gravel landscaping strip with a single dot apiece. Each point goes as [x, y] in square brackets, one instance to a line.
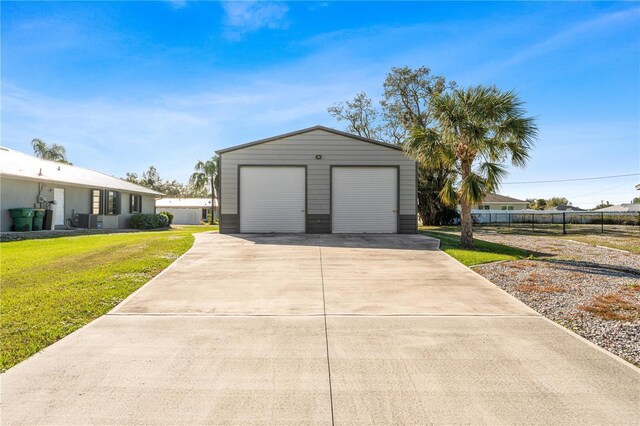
[593, 291]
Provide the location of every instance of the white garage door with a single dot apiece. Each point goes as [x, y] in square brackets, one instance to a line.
[364, 199]
[272, 199]
[185, 216]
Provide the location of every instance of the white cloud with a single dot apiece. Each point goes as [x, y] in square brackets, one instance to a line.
[248, 16]
[174, 129]
[177, 4]
[614, 21]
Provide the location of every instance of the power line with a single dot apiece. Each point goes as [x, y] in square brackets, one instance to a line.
[599, 191]
[571, 180]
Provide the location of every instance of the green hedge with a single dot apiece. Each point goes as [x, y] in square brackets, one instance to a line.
[149, 221]
[169, 216]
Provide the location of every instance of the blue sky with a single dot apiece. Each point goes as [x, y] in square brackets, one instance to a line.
[124, 85]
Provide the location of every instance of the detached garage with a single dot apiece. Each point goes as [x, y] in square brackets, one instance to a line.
[187, 211]
[317, 180]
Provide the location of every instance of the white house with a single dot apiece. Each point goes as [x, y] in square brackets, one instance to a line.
[501, 202]
[74, 196]
[187, 211]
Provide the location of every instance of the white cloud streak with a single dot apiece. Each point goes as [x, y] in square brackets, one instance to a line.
[608, 22]
[244, 17]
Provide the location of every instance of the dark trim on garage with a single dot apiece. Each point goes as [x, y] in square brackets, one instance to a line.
[318, 224]
[306, 197]
[307, 130]
[370, 167]
[408, 224]
[229, 224]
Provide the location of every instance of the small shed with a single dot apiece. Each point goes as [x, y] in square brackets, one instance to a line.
[187, 211]
[317, 180]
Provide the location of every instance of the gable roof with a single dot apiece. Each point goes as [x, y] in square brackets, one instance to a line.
[185, 203]
[307, 130]
[15, 164]
[497, 198]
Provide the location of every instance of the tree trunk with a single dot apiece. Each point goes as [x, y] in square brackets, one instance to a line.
[423, 218]
[466, 221]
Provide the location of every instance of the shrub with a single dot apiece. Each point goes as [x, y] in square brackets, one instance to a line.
[148, 221]
[169, 216]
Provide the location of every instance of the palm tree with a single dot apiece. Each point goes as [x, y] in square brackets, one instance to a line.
[477, 130]
[206, 174]
[53, 152]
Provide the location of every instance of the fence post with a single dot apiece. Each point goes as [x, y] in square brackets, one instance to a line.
[509, 219]
[533, 222]
[564, 222]
[602, 222]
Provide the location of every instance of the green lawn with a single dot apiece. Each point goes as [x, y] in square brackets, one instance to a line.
[483, 252]
[51, 287]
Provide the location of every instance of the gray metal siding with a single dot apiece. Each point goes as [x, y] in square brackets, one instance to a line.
[302, 149]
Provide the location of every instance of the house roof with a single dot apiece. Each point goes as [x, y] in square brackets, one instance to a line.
[621, 208]
[497, 198]
[14, 164]
[567, 208]
[307, 130]
[185, 203]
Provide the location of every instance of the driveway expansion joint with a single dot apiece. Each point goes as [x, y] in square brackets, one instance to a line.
[326, 333]
[345, 314]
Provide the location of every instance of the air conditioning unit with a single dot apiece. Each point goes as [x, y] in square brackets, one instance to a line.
[88, 221]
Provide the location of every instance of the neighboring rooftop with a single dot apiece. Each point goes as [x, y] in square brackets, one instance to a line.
[15, 164]
[185, 203]
[565, 208]
[627, 208]
[497, 198]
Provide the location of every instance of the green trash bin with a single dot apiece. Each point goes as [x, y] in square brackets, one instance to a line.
[38, 218]
[22, 219]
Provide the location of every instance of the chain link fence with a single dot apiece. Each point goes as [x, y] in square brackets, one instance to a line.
[558, 222]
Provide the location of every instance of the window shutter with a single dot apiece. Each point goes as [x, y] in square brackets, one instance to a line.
[131, 198]
[118, 203]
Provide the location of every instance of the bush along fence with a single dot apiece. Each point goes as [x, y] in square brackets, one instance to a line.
[586, 222]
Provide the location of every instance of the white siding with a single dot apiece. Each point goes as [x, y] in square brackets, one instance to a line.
[184, 216]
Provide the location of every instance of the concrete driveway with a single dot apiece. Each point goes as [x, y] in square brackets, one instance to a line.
[308, 329]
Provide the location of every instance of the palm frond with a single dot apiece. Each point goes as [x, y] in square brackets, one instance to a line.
[448, 194]
[493, 174]
[472, 189]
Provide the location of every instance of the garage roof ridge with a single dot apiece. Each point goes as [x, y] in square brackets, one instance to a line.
[307, 130]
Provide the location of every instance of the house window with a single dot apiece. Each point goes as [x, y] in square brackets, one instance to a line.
[205, 212]
[135, 203]
[506, 207]
[485, 207]
[96, 201]
[111, 202]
